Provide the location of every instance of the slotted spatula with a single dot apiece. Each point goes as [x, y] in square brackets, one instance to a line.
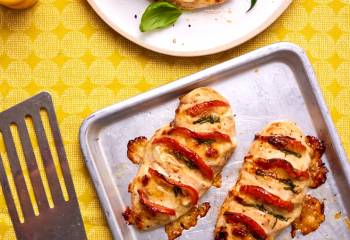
[64, 220]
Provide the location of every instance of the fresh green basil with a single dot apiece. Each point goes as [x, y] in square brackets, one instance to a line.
[159, 15]
[290, 185]
[207, 119]
[288, 182]
[177, 191]
[289, 152]
[205, 141]
[263, 209]
[252, 4]
[181, 157]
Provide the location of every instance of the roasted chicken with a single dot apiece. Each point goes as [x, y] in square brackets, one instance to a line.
[270, 193]
[179, 163]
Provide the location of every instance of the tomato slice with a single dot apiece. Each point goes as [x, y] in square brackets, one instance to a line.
[189, 154]
[204, 106]
[190, 190]
[265, 196]
[154, 207]
[283, 164]
[283, 143]
[254, 227]
[201, 135]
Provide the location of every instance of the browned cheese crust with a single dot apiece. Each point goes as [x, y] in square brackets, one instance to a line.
[136, 148]
[311, 217]
[318, 170]
[186, 221]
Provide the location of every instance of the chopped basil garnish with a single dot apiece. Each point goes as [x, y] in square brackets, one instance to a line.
[177, 191]
[286, 152]
[205, 141]
[290, 184]
[263, 209]
[181, 157]
[207, 119]
[190, 165]
[159, 15]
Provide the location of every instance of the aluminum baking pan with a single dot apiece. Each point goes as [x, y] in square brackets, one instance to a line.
[272, 83]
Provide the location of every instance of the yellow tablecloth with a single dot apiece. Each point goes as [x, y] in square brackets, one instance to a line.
[61, 46]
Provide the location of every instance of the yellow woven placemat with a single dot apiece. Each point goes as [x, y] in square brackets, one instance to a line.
[63, 47]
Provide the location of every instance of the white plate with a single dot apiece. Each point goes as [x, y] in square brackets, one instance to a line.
[196, 33]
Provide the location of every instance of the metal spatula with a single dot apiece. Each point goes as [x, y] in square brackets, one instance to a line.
[63, 221]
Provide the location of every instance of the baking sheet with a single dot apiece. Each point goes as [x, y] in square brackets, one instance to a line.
[272, 83]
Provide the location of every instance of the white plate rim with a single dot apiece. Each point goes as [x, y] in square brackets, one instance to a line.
[221, 48]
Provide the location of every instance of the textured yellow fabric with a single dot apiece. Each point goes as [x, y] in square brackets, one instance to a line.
[63, 47]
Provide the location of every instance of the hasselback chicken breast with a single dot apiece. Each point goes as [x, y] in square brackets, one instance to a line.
[270, 193]
[179, 163]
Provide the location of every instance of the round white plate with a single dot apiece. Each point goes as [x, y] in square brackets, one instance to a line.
[196, 33]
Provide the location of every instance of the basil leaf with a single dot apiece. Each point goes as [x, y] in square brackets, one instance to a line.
[205, 141]
[159, 15]
[286, 152]
[261, 207]
[290, 185]
[181, 157]
[207, 119]
[177, 191]
[252, 4]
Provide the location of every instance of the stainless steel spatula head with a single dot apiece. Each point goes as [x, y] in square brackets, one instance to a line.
[63, 220]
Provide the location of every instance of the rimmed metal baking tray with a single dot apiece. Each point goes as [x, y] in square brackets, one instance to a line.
[272, 83]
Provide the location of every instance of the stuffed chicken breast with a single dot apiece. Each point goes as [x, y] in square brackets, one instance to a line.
[179, 163]
[270, 193]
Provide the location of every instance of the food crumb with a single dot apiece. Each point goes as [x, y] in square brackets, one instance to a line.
[135, 16]
[174, 40]
[337, 215]
[347, 222]
[256, 70]
[189, 25]
[229, 21]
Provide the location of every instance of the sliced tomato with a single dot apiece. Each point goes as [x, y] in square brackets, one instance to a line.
[189, 154]
[200, 135]
[154, 207]
[283, 143]
[267, 197]
[254, 227]
[282, 164]
[190, 190]
[204, 106]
